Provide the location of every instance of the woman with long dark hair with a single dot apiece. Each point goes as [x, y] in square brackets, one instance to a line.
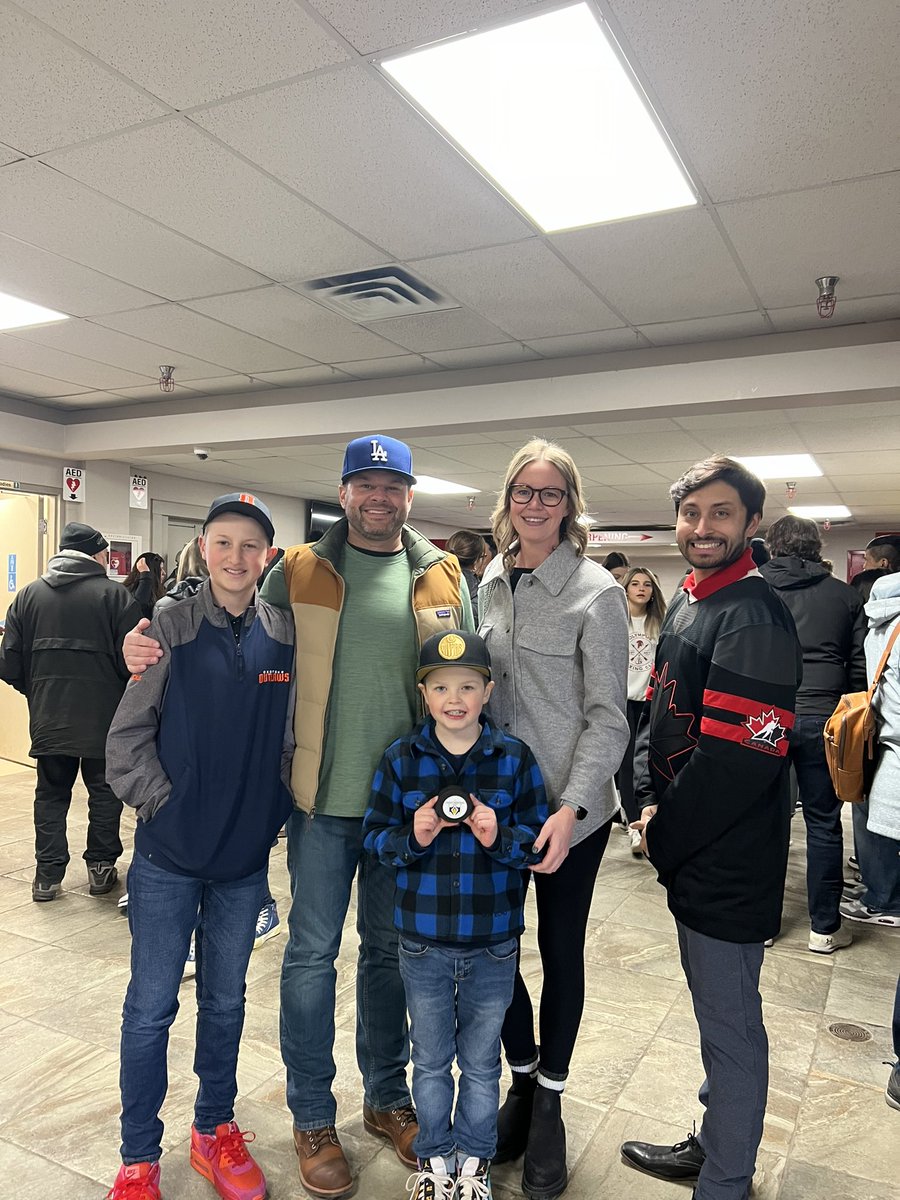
[556, 627]
[145, 581]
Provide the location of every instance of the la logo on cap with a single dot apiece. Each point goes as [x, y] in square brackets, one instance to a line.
[379, 454]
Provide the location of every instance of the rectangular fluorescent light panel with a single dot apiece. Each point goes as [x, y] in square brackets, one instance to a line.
[781, 466]
[429, 486]
[821, 512]
[17, 314]
[546, 109]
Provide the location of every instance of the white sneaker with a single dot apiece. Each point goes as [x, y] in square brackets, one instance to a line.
[190, 963]
[432, 1181]
[827, 943]
[474, 1180]
[634, 836]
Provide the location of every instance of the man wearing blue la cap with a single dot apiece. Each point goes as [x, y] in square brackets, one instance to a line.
[365, 597]
[369, 593]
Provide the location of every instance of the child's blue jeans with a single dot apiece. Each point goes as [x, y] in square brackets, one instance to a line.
[162, 913]
[457, 998]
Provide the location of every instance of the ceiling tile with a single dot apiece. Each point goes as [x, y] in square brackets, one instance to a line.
[118, 350]
[283, 317]
[656, 447]
[48, 279]
[372, 27]
[484, 356]
[223, 385]
[848, 312]
[43, 207]
[824, 436]
[850, 230]
[706, 329]
[29, 383]
[859, 462]
[209, 194]
[867, 484]
[780, 96]
[303, 376]
[602, 342]
[523, 288]
[590, 454]
[450, 329]
[68, 99]
[665, 267]
[640, 425]
[190, 53]
[182, 330]
[351, 145]
[28, 356]
[763, 437]
[626, 474]
[385, 368]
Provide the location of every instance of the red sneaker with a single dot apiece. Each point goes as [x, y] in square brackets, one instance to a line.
[222, 1158]
[140, 1181]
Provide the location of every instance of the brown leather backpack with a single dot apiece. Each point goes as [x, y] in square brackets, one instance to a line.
[851, 738]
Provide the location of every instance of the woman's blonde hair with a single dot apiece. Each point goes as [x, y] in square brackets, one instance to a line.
[571, 528]
[655, 613]
[191, 563]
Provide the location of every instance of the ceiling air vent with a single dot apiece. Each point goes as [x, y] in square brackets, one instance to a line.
[375, 295]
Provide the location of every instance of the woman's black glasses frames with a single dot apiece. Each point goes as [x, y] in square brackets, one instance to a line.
[550, 497]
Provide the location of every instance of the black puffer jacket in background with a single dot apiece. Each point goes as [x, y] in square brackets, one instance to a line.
[831, 626]
[63, 650]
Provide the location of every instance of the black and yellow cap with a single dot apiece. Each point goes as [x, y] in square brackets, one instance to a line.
[455, 648]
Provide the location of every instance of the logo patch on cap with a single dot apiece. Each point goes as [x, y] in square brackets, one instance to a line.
[451, 647]
[379, 454]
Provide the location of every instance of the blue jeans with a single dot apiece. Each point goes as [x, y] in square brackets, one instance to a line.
[822, 813]
[324, 854]
[457, 997]
[879, 864]
[162, 914]
[723, 978]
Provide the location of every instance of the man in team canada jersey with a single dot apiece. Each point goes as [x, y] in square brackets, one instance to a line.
[711, 773]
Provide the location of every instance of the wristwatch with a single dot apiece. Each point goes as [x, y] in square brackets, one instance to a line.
[578, 809]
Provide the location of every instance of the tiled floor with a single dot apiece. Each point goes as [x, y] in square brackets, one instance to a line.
[63, 970]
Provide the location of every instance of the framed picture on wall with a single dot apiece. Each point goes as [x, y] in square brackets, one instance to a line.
[124, 550]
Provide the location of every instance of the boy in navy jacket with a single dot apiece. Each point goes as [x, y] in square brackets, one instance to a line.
[200, 746]
[459, 902]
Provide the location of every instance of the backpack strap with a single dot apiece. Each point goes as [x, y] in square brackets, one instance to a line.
[884, 658]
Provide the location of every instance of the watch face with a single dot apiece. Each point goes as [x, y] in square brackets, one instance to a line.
[454, 804]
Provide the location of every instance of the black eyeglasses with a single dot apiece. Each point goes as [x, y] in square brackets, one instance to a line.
[521, 493]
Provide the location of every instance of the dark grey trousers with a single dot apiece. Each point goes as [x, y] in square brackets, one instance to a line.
[724, 981]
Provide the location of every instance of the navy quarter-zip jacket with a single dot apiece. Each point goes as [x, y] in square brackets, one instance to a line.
[201, 743]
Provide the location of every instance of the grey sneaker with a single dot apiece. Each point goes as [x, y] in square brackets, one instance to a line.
[102, 877]
[892, 1091]
[43, 890]
[855, 910]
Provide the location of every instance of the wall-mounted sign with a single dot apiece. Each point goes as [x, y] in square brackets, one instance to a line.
[10, 484]
[137, 497]
[615, 537]
[73, 484]
[11, 574]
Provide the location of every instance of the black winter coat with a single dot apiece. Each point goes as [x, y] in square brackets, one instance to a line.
[831, 626]
[63, 650]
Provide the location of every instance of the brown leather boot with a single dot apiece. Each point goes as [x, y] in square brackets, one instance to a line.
[398, 1125]
[324, 1171]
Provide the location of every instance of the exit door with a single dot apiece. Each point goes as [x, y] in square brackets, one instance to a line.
[28, 537]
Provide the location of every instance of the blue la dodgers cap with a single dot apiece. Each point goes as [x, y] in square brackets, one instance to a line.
[375, 452]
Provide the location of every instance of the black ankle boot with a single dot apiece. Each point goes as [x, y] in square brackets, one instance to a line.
[514, 1118]
[545, 1174]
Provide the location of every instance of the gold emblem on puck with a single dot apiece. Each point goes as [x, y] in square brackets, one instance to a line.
[451, 646]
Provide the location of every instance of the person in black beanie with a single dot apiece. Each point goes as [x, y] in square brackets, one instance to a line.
[62, 650]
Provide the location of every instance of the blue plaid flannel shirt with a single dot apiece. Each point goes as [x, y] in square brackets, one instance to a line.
[455, 890]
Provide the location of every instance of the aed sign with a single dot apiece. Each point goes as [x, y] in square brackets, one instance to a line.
[73, 484]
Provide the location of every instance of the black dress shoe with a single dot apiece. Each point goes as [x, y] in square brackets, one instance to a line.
[678, 1163]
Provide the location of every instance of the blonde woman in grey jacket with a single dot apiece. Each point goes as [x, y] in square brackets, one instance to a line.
[557, 628]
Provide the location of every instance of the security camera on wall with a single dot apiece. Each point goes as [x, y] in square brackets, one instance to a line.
[200, 453]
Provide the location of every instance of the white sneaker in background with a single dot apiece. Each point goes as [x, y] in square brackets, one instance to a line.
[827, 943]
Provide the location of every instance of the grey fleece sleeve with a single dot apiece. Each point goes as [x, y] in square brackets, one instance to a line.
[133, 769]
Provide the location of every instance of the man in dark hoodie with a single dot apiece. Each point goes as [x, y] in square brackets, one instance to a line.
[831, 626]
[63, 650]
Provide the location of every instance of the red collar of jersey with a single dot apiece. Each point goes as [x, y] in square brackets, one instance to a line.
[739, 569]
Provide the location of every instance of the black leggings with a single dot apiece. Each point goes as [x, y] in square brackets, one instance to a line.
[563, 904]
[625, 773]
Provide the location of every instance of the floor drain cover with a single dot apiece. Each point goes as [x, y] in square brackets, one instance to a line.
[849, 1033]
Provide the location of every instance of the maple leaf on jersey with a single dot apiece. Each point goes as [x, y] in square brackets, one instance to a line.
[672, 735]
